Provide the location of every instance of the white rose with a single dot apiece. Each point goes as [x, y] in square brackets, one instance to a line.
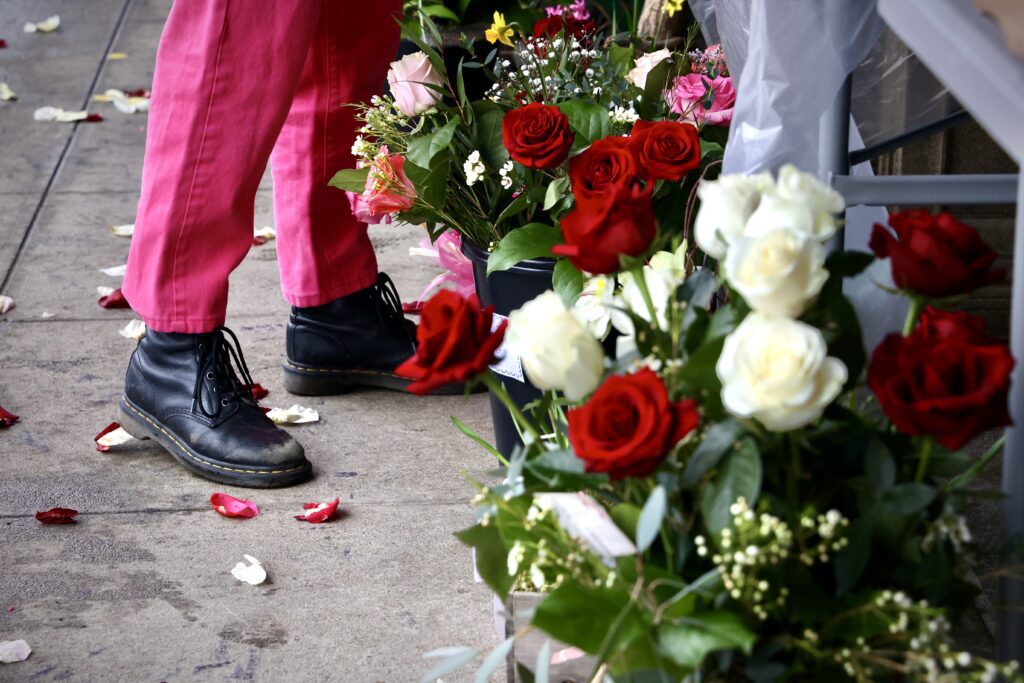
[778, 273]
[406, 78]
[555, 347]
[725, 206]
[776, 371]
[822, 201]
[644, 64]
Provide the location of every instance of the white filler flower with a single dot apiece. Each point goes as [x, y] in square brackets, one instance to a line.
[778, 273]
[556, 348]
[776, 370]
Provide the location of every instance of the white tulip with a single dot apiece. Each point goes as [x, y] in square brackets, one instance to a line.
[777, 273]
[725, 206]
[776, 371]
[594, 305]
[822, 201]
[555, 347]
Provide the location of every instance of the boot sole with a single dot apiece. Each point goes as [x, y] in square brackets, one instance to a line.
[311, 381]
[142, 425]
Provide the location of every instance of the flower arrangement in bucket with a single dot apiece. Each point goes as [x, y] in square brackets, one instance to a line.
[745, 493]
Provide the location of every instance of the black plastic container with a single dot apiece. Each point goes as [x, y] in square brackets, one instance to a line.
[506, 291]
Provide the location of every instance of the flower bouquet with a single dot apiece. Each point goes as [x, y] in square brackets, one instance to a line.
[744, 494]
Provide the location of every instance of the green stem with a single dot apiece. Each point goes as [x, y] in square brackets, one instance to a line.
[916, 304]
[926, 456]
[971, 472]
[498, 389]
[793, 481]
[641, 283]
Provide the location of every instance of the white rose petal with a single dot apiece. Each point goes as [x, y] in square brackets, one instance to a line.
[59, 115]
[12, 651]
[125, 230]
[117, 437]
[725, 206]
[776, 371]
[644, 64]
[115, 271]
[6, 94]
[555, 347]
[48, 25]
[777, 273]
[135, 329]
[46, 315]
[266, 232]
[104, 291]
[822, 201]
[295, 415]
[6, 303]
[253, 573]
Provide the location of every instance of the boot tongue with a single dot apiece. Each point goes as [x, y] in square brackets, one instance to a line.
[217, 383]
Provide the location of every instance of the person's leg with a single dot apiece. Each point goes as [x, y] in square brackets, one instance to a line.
[225, 77]
[323, 251]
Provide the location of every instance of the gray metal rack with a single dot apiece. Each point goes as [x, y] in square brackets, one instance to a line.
[967, 53]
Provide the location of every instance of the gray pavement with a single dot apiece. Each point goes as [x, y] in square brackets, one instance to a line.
[140, 588]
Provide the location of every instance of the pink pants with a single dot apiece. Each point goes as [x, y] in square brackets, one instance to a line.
[237, 83]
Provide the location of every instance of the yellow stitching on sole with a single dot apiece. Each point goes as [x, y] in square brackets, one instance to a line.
[356, 371]
[208, 464]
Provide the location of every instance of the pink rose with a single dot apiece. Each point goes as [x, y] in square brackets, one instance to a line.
[388, 190]
[407, 77]
[689, 94]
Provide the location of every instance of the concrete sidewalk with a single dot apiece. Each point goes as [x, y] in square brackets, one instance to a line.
[140, 588]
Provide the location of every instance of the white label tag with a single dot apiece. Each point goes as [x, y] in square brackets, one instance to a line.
[508, 365]
[585, 519]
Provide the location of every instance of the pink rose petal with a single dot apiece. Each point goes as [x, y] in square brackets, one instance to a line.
[229, 506]
[317, 513]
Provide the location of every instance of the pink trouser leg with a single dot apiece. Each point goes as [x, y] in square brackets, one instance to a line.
[323, 251]
[226, 76]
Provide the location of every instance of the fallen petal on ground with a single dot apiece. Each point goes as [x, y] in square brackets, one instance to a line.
[6, 303]
[112, 435]
[57, 516]
[294, 415]
[7, 418]
[136, 329]
[257, 390]
[115, 271]
[117, 55]
[12, 651]
[317, 513]
[253, 573]
[6, 94]
[115, 299]
[126, 230]
[48, 25]
[229, 506]
[59, 115]
[263, 235]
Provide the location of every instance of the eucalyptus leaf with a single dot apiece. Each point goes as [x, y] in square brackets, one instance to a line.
[542, 671]
[698, 289]
[853, 558]
[717, 441]
[454, 659]
[651, 517]
[906, 499]
[492, 661]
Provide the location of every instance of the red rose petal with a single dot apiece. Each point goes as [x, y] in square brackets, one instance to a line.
[7, 418]
[57, 516]
[317, 513]
[93, 118]
[258, 391]
[414, 308]
[114, 300]
[106, 430]
[3, 44]
[259, 240]
[140, 92]
[229, 506]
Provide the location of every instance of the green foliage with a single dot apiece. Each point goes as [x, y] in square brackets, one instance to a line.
[491, 556]
[590, 618]
[350, 179]
[689, 642]
[588, 120]
[528, 242]
[739, 477]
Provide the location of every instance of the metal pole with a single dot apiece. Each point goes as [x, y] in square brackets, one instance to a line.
[834, 146]
[1011, 589]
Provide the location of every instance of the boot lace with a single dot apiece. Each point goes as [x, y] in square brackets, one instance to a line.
[217, 365]
[389, 308]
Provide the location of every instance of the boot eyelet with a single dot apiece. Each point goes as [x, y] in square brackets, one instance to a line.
[224, 402]
[202, 346]
[209, 375]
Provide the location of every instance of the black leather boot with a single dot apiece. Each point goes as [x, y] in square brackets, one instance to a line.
[182, 391]
[357, 340]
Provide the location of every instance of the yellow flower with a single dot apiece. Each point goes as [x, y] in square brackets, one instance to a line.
[672, 6]
[499, 32]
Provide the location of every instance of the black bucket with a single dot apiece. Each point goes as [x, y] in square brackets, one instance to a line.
[508, 290]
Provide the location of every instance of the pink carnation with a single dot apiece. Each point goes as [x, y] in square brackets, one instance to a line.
[388, 190]
[689, 95]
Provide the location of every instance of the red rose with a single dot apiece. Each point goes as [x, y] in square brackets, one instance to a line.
[581, 29]
[602, 227]
[668, 150]
[606, 163]
[946, 379]
[537, 135]
[629, 425]
[936, 256]
[454, 342]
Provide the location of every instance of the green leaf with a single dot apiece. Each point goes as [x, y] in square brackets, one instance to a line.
[626, 516]
[431, 183]
[588, 120]
[487, 133]
[543, 668]
[584, 617]
[530, 241]
[906, 499]
[491, 556]
[740, 476]
[849, 263]
[563, 470]
[651, 516]
[454, 659]
[853, 559]
[350, 179]
[622, 56]
[657, 79]
[556, 190]
[699, 370]
[689, 643]
[439, 12]
[423, 149]
[698, 289]
[515, 207]
[879, 467]
[492, 661]
[717, 441]
[567, 282]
